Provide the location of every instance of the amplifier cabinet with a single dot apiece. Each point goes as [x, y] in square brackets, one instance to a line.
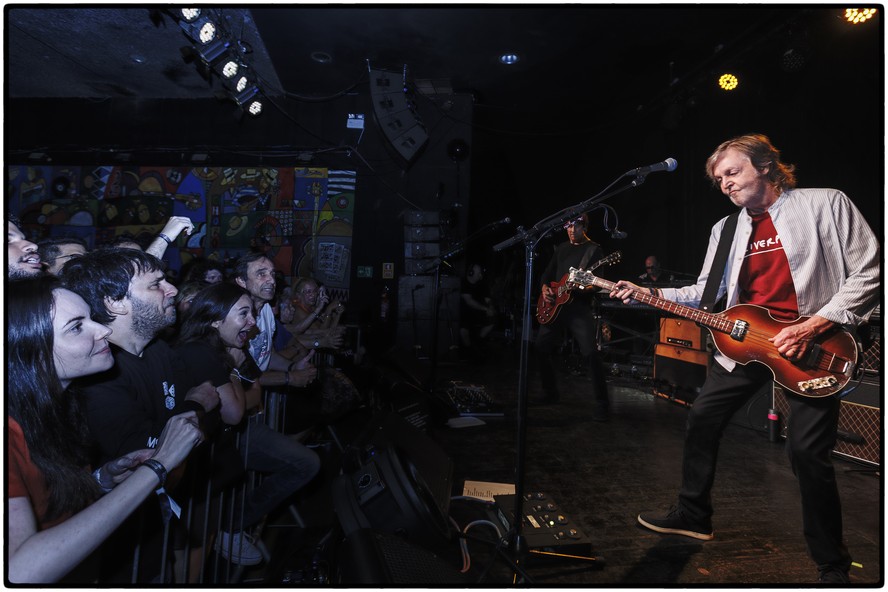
[860, 422]
[679, 372]
[681, 332]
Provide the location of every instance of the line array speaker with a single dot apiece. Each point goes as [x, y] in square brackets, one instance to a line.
[395, 116]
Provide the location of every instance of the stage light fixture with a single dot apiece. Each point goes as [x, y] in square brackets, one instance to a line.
[728, 82]
[254, 107]
[240, 82]
[206, 32]
[229, 69]
[211, 53]
[248, 100]
[855, 16]
[509, 58]
[189, 15]
[215, 45]
[203, 30]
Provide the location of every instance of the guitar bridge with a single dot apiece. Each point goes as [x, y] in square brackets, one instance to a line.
[738, 332]
[825, 382]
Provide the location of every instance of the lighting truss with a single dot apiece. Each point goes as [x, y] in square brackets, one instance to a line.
[213, 44]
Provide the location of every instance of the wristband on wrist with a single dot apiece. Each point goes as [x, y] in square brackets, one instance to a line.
[158, 469]
[654, 291]
[166, 239]
[97, 475]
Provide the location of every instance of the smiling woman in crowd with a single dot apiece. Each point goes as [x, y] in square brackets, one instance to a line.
[58, 512]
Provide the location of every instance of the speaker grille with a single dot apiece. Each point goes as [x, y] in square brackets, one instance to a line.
[860, 435]
[871, 360]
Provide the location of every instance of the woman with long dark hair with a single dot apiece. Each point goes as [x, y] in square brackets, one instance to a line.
[57, 513]
[211, 346]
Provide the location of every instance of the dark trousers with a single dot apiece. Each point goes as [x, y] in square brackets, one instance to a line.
[580, 320]
[286, 464]
[811, 436]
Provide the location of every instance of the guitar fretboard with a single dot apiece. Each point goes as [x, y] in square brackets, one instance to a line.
[715, 322]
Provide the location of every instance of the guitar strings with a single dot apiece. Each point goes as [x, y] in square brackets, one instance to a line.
[756, 337]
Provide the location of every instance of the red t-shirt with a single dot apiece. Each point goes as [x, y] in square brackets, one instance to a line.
[764, 277]
[25, 479]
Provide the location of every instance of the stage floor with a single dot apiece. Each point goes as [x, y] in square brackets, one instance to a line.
[601, 475]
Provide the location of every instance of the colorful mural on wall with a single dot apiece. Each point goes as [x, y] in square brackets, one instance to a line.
[302, 218]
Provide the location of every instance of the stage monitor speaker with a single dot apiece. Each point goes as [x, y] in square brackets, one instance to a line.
[397, 480]
[860, 422]
[395, 116]
[369, 557]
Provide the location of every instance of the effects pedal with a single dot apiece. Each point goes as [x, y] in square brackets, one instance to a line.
[546, 528]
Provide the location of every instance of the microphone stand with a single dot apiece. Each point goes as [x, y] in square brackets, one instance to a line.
[436, 298]
[531, 238]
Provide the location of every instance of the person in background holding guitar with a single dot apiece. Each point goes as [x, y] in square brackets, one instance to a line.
[575, 315]
[794, 252]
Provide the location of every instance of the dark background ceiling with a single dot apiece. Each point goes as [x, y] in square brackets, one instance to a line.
[598, 89]
[578, 57]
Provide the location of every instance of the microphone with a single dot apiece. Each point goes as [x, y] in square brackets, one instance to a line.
[619, 234]
[668, 165]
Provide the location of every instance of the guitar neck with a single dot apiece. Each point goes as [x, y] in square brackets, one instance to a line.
[713, 321]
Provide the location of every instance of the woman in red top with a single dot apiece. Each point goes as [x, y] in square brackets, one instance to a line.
[52, 520]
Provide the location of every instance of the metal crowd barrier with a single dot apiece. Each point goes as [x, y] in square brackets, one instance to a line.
[184, 551]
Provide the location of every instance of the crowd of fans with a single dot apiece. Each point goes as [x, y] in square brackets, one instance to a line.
[130, 397]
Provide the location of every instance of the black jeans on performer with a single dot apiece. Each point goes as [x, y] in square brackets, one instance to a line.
[811, 436]
[578, 318]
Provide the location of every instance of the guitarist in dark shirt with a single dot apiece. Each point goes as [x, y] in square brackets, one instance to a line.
[576, 316]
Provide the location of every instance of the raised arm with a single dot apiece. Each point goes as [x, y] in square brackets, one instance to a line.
[173, 228]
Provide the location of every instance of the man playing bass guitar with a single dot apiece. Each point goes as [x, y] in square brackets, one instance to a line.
[575, 315]
[799, 253]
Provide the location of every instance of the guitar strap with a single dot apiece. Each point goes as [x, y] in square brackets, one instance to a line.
[707, 302]
[587, 255]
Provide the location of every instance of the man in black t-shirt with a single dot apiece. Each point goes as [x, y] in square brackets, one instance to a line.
[127, 406]
[575, 316]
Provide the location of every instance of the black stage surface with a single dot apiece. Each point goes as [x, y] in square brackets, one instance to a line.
[600, 476]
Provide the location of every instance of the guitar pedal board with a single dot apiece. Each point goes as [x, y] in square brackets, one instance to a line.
[472, 400]
[545, 526]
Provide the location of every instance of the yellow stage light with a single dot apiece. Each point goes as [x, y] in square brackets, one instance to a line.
[728, 82]
[855, 16]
